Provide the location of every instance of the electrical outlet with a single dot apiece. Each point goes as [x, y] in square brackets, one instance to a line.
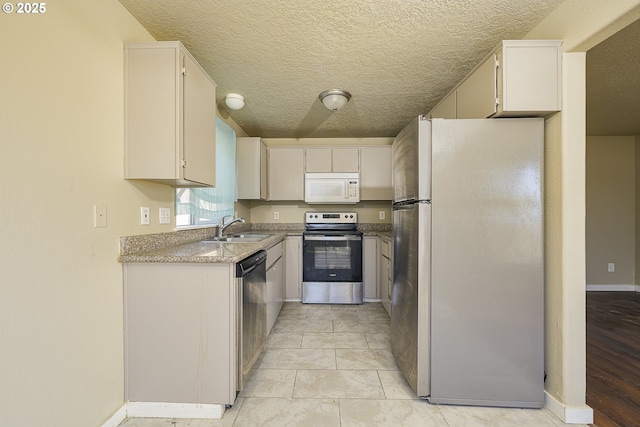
[144, 216]
[382, 215]
[276, 215]
[99, 216]
[611, 267]
[165, 216]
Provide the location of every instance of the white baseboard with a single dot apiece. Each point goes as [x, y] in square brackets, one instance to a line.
[613, 288]
[174, 410]
[568, 414]
[117, 418]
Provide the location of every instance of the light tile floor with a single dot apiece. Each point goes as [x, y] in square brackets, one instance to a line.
[331, 365]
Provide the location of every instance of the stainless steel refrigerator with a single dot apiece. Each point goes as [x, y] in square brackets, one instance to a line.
[467, 300]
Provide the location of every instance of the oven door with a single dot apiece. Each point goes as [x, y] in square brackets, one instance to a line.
[332, 269]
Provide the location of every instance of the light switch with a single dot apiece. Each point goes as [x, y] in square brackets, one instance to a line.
[165, 216]
[99, 216]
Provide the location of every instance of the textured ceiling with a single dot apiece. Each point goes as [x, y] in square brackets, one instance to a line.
[613, 84]
[396, 57]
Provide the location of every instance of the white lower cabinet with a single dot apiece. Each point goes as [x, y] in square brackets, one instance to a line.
[370, 268]
[275, 283]
[385, 276]
[180, 333]
[293, 268]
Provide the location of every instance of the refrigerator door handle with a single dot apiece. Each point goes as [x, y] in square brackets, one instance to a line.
[408, 204]
[402, 206]
[404, 200]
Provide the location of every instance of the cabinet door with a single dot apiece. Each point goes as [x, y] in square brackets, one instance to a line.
[170, 112]
[199, 143]
[318, 160]
[384, 278]
[248, 170]
[331, 159]
[346, 159]
[164, 307]
[370, 268]
[279, 281]
[529, 78]
[476, 96]
[293, 268]
[286, 173]
[375, 173]
[275, 276]
[264, 172]
[151, 112]
[275, 296]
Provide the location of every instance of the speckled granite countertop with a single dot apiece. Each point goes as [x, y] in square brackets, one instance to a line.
[190, 246]
[203, 251]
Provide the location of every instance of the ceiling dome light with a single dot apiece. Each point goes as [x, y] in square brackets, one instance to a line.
[334, 99]
[234, 101]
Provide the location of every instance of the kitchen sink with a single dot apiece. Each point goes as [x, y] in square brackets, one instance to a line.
[240, 238]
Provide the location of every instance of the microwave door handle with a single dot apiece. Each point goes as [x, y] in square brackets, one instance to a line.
[347, 189]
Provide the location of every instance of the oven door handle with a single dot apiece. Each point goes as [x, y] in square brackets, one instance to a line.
[333, 238]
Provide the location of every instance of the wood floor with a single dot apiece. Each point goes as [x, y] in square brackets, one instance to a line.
[613, 358]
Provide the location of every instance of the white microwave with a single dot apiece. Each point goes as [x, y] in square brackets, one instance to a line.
[332, 187]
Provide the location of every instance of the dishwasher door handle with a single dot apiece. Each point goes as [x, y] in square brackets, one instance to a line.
[249, 269]
[247, 265]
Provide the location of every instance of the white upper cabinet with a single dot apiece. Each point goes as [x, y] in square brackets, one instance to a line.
[375, 173]
[325, 159]
[276, 172]
[285, 180]
[249, 167]
[520, 78]
[170, 113]
[529, 78]
[318, 160]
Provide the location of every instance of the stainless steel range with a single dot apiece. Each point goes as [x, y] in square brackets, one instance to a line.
[332, 258]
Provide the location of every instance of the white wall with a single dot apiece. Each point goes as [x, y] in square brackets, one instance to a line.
[581, 24]
[61, 121]
[293, 212]
[611, 215]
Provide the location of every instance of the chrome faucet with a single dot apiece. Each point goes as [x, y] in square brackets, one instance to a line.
[222, 226]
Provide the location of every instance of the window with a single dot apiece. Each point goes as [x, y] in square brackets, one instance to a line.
[206, 206]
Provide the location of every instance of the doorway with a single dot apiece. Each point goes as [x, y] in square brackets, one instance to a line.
[613, 226]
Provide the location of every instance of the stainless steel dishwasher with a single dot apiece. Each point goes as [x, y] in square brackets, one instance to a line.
[252, 313]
